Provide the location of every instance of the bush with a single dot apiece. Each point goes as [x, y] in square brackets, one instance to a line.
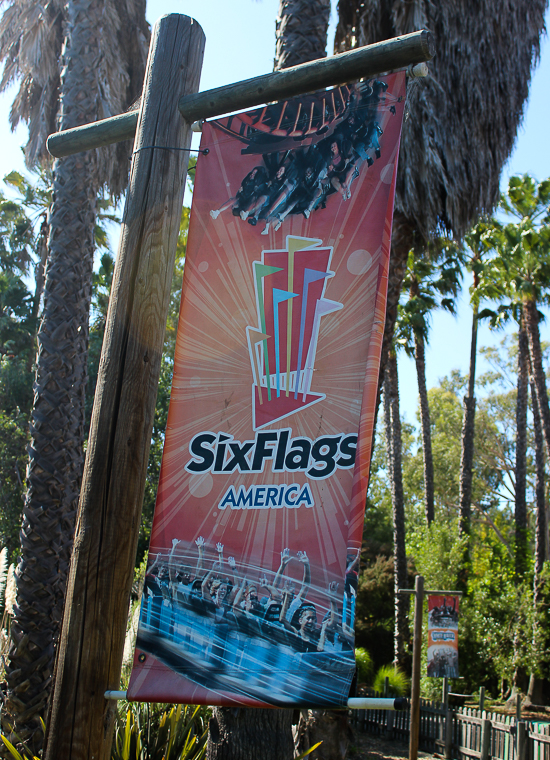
[365, 665]
[398, 681]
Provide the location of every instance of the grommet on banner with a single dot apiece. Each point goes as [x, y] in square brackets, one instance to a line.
[142, 657]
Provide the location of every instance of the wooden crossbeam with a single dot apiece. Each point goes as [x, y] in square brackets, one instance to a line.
[367, 61]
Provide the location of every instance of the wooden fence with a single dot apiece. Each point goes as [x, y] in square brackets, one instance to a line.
[461, 733]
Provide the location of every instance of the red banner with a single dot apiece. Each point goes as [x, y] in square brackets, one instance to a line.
[250, 589]
[443, 636]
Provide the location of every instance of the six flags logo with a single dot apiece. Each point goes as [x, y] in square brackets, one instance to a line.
[290, 285]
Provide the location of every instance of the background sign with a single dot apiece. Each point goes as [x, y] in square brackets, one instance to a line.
[250, 590]
[443, 636]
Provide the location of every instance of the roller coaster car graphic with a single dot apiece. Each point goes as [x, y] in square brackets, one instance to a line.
[290, 286]
[311, 147]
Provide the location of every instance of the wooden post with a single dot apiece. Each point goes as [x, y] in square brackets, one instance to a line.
[482, 698]
[521, 739]
[448, 734]
[405, 50]
[415, 681]
[445, 691]
[518, 707]
[81, 720]
[485, 739]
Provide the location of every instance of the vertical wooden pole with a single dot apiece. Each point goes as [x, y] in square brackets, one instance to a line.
[80, 722]
[482, 698]
[485, 739]
[521, 739]
[415, 681]
[445, 691]
[448, 733]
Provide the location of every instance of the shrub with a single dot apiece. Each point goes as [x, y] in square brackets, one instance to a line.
[365, 665]
[398, 681]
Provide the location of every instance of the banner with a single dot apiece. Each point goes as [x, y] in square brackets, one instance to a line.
[443, 636]
[250, 590]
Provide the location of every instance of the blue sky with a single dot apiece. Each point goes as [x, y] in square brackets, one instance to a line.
[240, 43]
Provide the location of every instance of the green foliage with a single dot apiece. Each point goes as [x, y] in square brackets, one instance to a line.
[365, 665]
[154, 732]
[437, 551]
[398, 682]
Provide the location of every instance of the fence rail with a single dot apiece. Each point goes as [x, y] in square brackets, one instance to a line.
[461, 733]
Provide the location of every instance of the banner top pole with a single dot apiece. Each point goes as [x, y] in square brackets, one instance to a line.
[370, 60]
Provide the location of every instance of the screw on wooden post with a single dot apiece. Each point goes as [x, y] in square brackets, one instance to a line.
[81, 720]
[415, 681]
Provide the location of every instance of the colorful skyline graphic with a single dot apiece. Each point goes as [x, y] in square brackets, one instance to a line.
[289, 286]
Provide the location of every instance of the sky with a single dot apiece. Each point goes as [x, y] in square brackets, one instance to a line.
[240, 43]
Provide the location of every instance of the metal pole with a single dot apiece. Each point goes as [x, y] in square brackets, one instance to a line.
[370, 60]
[415, 681]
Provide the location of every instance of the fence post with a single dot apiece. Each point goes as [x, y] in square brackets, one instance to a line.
[482, 698]
[445, 691]
[521, 739]
[448, 734]
[485, 739]
[518, 707]
[415, 680]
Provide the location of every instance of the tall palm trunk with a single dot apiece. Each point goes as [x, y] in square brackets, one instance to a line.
[468, 430]
[532, 326]
[519, 680]
[394, 444]
[520, 512]
[301, 32]
[541, 532]
[467, 455]
[57, 426]
[425, 423]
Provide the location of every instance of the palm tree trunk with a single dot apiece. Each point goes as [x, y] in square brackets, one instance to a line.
[520, 513]
[468, 430]
[420, 359]
[541, 531]
[301, 32]
[532, 326]
[393, 439]
[57, 427]
[467, 457]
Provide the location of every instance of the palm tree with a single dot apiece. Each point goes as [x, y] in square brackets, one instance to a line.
[78, 61]
[521, 270]
[462, 119]
[431, 286]
[394, 458]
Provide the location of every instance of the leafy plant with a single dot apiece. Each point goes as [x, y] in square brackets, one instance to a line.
[365, 665]
[176, 733]
[398, 681]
